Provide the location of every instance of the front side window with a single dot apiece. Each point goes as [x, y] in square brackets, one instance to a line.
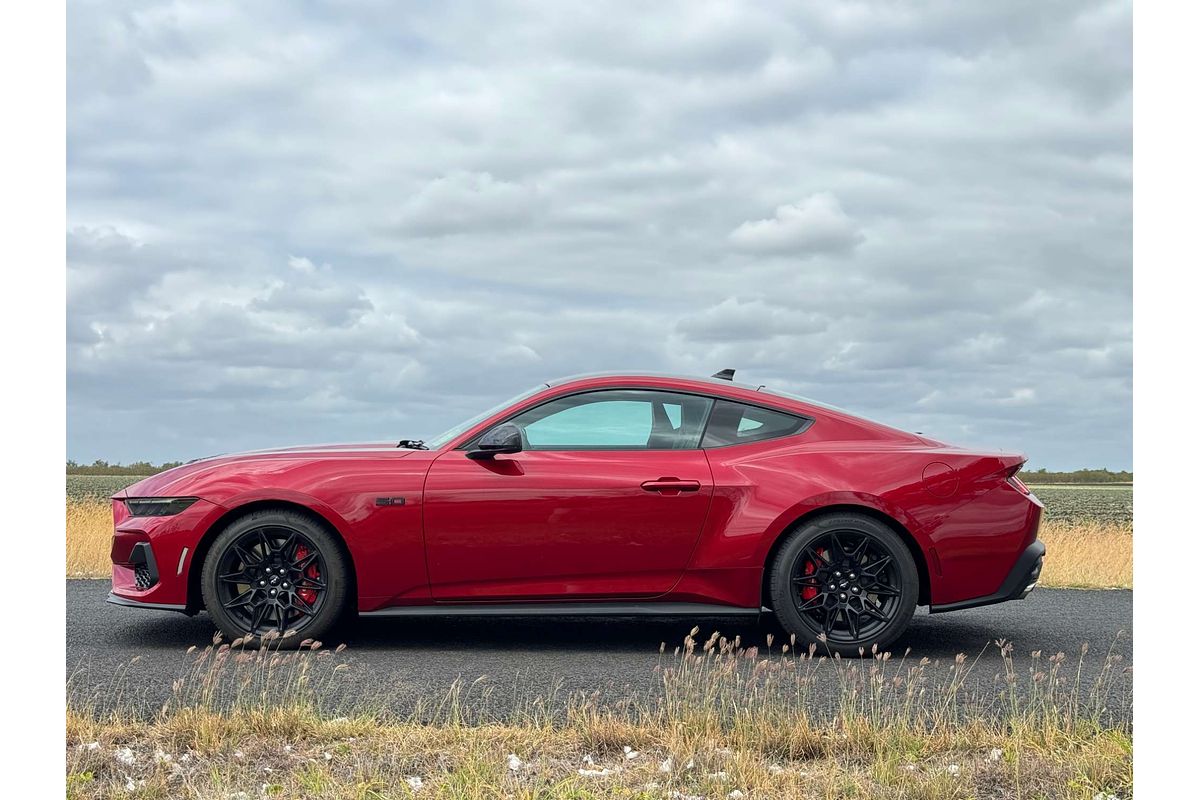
[624, 419]
[736, 423]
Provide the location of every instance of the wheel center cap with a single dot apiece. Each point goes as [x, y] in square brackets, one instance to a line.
[274, 580]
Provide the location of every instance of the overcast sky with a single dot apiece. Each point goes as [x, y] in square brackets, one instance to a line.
[311, 222]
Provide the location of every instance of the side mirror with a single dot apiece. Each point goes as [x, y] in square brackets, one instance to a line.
[501, 439]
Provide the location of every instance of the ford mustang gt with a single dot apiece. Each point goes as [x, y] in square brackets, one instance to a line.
[605, 494]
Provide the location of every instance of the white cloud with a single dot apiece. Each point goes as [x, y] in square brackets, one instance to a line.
[813, 226]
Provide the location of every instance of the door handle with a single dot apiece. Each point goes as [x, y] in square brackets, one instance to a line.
[671, 486]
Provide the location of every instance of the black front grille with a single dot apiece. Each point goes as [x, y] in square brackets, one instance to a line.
[142, 577]
[145, 570]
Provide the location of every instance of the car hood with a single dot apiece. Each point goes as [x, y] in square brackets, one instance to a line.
[181, 480]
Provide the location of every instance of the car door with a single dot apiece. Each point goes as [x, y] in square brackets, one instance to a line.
[606, 500]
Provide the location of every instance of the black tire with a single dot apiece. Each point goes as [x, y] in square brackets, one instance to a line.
[276, 560]
[816, 588]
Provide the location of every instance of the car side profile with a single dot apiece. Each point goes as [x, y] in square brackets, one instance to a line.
[606, 494]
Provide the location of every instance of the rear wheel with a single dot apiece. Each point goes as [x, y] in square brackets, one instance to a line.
[847, 578]
[274, 573]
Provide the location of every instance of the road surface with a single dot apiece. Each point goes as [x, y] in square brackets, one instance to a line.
[399, 661]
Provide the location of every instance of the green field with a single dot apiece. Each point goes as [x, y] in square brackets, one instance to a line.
[97, 487]
[1079, 503]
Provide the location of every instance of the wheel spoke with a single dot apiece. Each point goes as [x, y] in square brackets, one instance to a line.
[305, 582]
[301, 606]
[874, 568]
[242, 599]
[830, 616]
[883, 590]
[874, 613]
[852, 621]
[249, 558]
[813, 604]
[304, 563]
[284, 548]
[259, 612]
[807, 580]
[836, 551]
[860, 550]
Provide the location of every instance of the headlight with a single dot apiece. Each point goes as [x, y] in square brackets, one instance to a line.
[157, 506]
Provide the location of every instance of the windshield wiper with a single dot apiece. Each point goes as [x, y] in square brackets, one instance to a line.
[413, 444]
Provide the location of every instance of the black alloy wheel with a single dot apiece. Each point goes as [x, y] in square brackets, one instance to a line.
[274, 574]
[844, 582]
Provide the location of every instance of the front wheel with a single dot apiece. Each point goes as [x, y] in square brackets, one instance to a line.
[844, 582]
[274, 574]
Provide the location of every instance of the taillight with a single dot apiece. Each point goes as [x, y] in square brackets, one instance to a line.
[1017, 484]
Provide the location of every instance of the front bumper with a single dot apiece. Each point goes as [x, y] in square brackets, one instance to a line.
[1021, 580]
[152, 556]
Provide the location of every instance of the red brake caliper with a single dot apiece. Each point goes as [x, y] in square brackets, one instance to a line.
[307, 595]
[809, 592]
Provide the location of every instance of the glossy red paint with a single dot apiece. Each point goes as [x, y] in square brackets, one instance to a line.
[652, 525]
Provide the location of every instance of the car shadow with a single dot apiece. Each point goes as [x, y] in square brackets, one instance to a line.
[933, 638]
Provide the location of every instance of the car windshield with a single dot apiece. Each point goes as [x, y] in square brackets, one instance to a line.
[443, 438]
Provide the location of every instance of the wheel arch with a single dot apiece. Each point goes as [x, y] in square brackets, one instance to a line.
[905, 535]
[195, 600]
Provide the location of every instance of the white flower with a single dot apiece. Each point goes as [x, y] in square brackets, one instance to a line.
[328, 757]
[161, 757]
[238, 754]
[88, 746]
[690, 764]
[775, 769]
[953, 769]
[587, 759]
[125, 756]
[630, 752]
[414, 783]
[287, 748]
[736, 794]
[718, 776]
[994, 754]
[667, 765]
[596, 773]
[130, 786]
[911, 767]
[514, 763]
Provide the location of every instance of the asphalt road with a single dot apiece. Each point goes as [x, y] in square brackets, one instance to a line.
[400, 661]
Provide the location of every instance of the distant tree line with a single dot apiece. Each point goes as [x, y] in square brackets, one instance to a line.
[101, 467]
[1078, 476]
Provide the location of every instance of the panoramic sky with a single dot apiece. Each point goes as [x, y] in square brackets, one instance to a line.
[311, 222]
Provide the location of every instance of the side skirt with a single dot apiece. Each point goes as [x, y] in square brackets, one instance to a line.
[563, 610]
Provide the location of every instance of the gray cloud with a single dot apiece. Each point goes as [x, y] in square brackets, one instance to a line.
[286, 225]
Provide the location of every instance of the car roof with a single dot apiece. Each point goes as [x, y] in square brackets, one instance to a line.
[667, 375]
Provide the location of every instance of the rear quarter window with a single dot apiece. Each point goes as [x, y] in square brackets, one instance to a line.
[737, 423]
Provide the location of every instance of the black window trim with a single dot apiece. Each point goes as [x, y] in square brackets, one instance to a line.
[805, 425]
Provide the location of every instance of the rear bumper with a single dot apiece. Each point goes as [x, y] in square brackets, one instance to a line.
[1017, 586]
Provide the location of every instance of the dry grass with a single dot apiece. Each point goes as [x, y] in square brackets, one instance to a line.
[89, 538]
[732, 722]
[1082, 554]
[1088, 555]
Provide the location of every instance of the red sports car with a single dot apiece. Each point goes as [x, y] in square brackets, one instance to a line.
[604, 494]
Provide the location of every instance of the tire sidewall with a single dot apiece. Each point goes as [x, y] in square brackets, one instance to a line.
[781, 581]
[335, 578]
